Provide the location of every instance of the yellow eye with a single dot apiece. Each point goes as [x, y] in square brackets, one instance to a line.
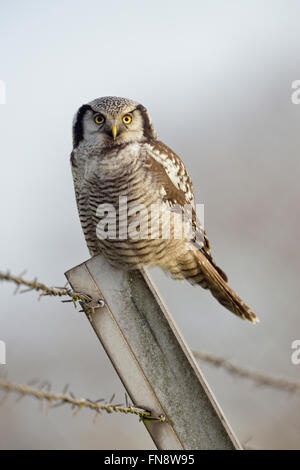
[127, 119]
[99, 119]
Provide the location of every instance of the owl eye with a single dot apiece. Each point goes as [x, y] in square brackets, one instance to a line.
[127, 119]
[99, 119]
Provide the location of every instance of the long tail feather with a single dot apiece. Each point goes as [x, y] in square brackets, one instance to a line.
[221, 290]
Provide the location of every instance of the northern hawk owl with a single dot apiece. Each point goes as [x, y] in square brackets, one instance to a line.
[130, 189]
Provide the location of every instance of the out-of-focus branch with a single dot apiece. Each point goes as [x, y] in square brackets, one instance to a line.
[57, 399]
[243, 372]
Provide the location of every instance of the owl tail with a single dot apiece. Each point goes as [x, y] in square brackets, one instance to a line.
[217, 284]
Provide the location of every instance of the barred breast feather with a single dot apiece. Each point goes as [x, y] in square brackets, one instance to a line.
[149, 173]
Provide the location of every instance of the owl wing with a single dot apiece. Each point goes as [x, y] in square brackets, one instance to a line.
[176, 186]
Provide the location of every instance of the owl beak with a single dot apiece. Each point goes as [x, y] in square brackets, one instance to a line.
[114, 131]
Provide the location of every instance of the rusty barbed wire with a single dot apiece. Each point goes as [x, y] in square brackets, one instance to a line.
[58, 399]
[259, 378]
[40, 287]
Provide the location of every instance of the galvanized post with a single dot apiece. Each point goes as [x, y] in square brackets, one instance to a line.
[151, 358]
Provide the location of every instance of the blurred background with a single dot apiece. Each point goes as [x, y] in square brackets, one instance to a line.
[216, 77]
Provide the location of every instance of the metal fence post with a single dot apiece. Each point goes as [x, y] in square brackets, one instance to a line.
[151, 358]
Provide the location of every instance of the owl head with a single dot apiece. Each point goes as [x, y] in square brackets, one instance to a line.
[110, 121]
